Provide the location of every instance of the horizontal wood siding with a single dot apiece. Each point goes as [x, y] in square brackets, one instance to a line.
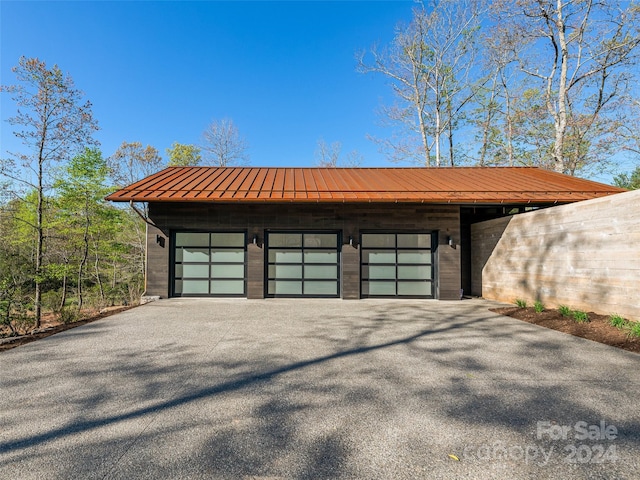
[585, 255]
[349, 219]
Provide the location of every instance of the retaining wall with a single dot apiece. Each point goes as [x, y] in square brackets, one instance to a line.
[585, 255]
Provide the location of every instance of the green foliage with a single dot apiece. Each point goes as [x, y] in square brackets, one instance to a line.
[634, 329]
[629, 181]
[521, 303]
[617, 321]
[564, 311]
[69, 315]
[580, 316]
[538, 306]
[181, 155]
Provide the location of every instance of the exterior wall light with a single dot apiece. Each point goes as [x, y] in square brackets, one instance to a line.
[255, 239]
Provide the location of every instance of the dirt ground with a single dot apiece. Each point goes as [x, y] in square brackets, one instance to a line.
[597, 328]
[50, 325]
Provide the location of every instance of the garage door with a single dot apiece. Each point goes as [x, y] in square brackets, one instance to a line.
[303, 264]
[397, 265]
[209, 264]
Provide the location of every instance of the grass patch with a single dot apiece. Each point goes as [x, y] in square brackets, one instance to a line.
[538, 306]
[634, 329]
[580, 316]
[521, 303]
[617, 321]
[564, 311]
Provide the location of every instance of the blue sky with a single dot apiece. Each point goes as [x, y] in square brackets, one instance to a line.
[159, 72]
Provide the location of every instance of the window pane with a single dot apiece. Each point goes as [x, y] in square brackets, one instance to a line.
[377, 240]
[285, 239]
[197, 271]
[417, 256]
[284, 287]
[285, 271]
[320, 257]
[227, 271]
[321, 271]
[414, 240]
[414, 288]
[195, 286]
[382, 288]
[192, 239]
[227, 287]
[285, 256]
[192, 255]
[227, 256]
[321, 240]
[321, 288]
[378, 257]
[421, 272]
[227, 239]
[375, 271]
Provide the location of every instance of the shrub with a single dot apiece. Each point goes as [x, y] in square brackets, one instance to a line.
[564, 311]
[634, 329]
[580, 316]
[617, 321]
[538, 306]
[521, 303]
[69, 315]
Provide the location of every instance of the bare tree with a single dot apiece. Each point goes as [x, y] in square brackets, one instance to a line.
[54, 123]
[430, 65]
[223, 146]
[579, 53]
[329, 156]
[132, 162]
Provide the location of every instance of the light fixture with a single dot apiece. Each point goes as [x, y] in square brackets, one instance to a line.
[255, 239]
[160, 240]
[450, 242]
[350, 240]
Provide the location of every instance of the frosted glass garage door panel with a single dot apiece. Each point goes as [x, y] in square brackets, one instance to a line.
[409, 256]
[227, 287]
[321, 271]
[193, 271]
[186, 254]
[285, 240]
[285, 256]
[321, 240]
[320, 257]
[378, 257]
[381, 288]
[285, 287]
[411, 272]
[414, 288]
[227, 271]
[374, 240]
[321, 288]
[192, 239]
[414, 240]
[378, 271]
[222, 256]
[285, 271]
[227, 240]
[193, 286]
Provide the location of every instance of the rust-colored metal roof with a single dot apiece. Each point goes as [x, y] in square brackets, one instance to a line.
[488, 185]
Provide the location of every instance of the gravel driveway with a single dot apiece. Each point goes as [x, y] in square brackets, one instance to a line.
[267, 389]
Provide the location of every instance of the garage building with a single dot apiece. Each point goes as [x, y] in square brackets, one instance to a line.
[346, 233]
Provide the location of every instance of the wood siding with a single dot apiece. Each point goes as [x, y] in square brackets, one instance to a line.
[350, 219]
[585, 255]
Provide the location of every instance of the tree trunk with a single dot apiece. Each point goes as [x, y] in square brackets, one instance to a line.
[561, 118]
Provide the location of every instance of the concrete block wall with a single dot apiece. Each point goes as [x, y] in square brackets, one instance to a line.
[585, 255]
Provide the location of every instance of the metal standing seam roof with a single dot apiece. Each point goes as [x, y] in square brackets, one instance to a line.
[459, 185]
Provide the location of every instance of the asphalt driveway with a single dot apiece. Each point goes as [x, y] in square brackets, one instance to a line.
[273, 389]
